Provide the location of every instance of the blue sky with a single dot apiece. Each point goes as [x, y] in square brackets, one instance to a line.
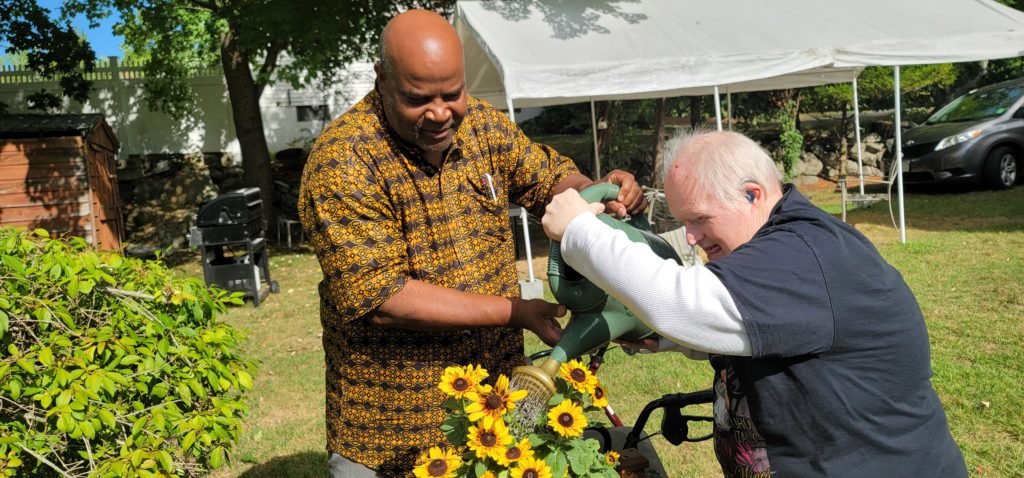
[102, 38]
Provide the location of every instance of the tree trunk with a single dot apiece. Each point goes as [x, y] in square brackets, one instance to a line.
[244, 93]
[657, 179]
[970, 83]
[694, 111]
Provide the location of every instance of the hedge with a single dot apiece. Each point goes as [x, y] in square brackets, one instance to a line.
[112, 366]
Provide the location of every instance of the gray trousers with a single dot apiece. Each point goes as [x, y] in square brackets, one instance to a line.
[341, 467]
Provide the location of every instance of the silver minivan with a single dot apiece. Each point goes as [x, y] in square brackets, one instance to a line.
[978, 137]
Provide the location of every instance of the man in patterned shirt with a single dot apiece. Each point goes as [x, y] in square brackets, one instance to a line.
[404, 198]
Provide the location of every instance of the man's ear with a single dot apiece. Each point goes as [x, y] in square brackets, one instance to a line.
[378, 69]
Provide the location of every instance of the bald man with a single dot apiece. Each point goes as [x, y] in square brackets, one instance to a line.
[405, 200]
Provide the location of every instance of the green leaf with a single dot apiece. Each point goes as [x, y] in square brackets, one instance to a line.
[46, 356]
[455, 429]
[15, 387]
[5, 324]
[107, 418]
[190, 438]
[479, 468]
[27, 365]
[14, 264]
[41, 232]
[65, 423]
[165, 460]
[217, 457]
[87, 429]
[244, 380]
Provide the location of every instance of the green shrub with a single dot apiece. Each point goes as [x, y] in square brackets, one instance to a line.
[111, 366]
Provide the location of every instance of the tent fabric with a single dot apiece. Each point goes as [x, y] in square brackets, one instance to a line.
[546, 52]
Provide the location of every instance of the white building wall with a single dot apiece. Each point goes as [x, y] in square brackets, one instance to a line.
[118, 95]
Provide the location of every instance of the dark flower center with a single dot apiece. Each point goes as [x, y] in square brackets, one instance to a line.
[565, 419]
[493, 402]
[530, 473]
[460, 384]
[437, 468]
[513, 453]
[488, 439]
[598, 393]
[578, 375]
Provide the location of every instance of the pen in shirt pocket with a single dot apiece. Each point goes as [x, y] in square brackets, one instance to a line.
[490, 184]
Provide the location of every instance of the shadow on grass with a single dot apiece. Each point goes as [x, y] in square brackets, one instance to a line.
[947, 208]
[300, 465]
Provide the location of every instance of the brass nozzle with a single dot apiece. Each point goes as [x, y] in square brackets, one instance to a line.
[543, 375]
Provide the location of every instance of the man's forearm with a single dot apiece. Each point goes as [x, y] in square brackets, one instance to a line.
[575, 181]
[423, 306]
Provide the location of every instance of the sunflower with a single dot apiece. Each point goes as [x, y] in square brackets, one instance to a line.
[437, 463]
[531, 468]
[612, 457]
[489, 440]
[488, 474]
[600, 397]
[456, 381]
[578, 376]
[491, 403]
[515, 453]
[567, 419]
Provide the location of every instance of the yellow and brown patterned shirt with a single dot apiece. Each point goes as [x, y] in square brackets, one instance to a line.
[378, 215]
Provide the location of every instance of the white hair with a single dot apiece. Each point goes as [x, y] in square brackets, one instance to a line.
[724, 161]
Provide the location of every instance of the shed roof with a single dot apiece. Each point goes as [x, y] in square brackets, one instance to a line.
[43, 126]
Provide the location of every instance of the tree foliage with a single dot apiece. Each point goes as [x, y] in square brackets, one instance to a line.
[111, 366]
[50, 48]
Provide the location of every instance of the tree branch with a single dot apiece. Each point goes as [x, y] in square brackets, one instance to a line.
[44, 460]
[267, 68]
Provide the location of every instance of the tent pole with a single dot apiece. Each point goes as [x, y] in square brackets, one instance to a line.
[856, 126]
[728, 106]
[718, 110]
[899, 151]
[593, 127]
[511, 111]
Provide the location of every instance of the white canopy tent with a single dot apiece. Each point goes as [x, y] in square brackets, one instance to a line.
[522, 53]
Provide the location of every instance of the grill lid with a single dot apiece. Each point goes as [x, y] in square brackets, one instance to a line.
[240, 206]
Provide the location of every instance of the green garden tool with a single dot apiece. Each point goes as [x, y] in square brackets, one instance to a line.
[597, 319]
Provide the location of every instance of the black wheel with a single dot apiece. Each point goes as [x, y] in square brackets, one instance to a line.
[1001, 168]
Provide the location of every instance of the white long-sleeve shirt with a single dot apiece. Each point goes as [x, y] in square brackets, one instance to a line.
[690, 308]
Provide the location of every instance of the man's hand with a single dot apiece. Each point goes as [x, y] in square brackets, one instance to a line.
[538, 316]
[562, 209]
[631, 198]
[644, 346]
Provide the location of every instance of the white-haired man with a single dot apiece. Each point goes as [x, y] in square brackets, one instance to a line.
[820, 352]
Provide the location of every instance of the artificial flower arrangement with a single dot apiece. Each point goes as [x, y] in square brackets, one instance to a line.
[482, 445]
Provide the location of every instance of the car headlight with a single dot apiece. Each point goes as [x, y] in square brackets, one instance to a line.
[957, 139]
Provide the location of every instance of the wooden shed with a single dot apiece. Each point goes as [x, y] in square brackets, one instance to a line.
[58, 172]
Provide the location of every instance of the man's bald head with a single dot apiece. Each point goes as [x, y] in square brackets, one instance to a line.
[418, 34]
[422, 81]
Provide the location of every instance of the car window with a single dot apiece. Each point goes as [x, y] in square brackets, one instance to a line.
[978, 104]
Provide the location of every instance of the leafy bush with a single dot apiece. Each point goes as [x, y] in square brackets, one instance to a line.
[111, 366]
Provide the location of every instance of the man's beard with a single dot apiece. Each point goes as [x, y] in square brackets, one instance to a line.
[436, 147]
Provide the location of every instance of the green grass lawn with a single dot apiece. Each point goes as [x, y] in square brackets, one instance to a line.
[964, 259]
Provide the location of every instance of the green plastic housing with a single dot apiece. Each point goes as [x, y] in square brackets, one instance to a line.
[598, 318]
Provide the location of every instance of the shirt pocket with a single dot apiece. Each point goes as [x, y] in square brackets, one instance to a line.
[486, 206]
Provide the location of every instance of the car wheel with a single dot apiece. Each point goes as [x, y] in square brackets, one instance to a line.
[1001, 168]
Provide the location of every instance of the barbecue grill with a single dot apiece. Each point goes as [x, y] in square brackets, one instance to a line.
[229, 231]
